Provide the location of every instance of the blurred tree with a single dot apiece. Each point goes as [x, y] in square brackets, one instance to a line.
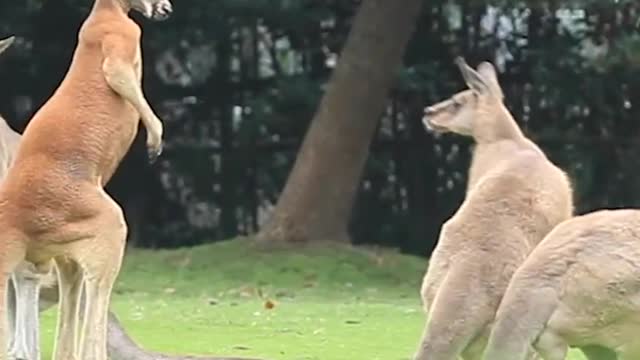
[318, 198]
[237, 83]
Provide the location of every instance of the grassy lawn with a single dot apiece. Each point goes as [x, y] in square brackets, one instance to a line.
[232, 299]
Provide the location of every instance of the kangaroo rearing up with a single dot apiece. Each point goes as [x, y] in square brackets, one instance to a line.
[514, 197]
[52, 201]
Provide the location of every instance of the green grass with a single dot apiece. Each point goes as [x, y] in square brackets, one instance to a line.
[332, 303]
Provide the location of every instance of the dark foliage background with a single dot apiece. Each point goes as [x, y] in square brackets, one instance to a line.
[237, 82]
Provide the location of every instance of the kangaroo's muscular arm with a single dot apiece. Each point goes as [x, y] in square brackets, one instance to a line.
[121, 57]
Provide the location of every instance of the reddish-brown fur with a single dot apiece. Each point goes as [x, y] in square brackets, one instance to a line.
[75, 141]
[52, 202]
[72, 144]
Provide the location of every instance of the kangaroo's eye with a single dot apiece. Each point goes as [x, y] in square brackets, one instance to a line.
[457, 105]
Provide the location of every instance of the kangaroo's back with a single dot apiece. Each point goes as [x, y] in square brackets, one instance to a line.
[578, 288]
[517, 187]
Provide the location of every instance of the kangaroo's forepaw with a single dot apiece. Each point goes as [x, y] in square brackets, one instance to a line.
[154, 152]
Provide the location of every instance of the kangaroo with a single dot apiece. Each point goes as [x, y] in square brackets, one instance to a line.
[24, 303]
[26, 298]
[52, 201]
[24, 341]
[515, 196]
[579, 288]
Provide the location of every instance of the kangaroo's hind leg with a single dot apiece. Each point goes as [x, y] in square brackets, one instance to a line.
[12, 253]
[98, 256]
[70, 291]
[455, 318]
[24, 313]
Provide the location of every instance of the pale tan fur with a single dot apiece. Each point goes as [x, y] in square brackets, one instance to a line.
[515, 196]
[9, 139]
[23, 310]
[579, 288]
[52, 202]
[25, 282]
[5, 43]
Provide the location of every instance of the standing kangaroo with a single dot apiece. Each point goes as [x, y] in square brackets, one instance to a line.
[581, 288]
[52, 202]
[515, 196]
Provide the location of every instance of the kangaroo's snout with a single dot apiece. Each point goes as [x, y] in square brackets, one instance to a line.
[427, 120]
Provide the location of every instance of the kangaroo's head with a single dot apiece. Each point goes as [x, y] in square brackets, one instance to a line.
[464, 111]
[152, 9]
[5, 43]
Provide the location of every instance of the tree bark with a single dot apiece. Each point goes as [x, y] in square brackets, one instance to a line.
[317, 200]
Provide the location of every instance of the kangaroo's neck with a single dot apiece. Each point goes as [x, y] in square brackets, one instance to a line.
[496, 126]
[498, 139]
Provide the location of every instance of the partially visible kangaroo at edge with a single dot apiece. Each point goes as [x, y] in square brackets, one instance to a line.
[25, 283]
[515, 196]
[579, 288]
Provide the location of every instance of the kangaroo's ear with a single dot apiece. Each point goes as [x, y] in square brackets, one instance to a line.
[489, 74]
[471, 77]
[5, 43]
[483, 81]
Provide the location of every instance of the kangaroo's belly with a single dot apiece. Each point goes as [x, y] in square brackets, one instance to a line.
[89, 136]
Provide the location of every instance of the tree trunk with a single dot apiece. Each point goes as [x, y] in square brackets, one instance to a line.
[317, 200]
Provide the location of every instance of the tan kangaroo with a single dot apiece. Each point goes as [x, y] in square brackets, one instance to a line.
[579, 288]
[515, 196]
[9, 139]
[24, 341]
[52, 201]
